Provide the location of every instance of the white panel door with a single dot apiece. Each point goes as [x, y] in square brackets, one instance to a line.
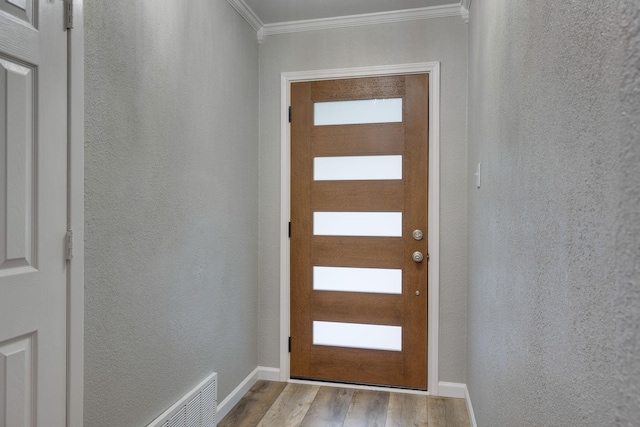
[33, 213]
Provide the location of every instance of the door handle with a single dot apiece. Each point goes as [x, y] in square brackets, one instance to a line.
[417, 256]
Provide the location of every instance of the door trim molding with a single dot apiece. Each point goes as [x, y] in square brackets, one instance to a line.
[433, 68]
[75, 203]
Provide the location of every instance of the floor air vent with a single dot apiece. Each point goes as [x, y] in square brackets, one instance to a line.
[196, 409]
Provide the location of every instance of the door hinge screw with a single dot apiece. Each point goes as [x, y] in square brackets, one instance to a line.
[68, 14]
[69, 245]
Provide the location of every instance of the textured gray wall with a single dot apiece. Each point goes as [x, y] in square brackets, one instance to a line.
[544, 83]
[443, 40]
[628, 249]
[171, 204]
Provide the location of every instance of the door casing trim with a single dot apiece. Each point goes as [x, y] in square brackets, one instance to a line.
[75, 220]
[286, 78]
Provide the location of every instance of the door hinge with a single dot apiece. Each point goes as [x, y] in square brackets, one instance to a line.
[69, 245]
[289, 229]
[289, 344]
[68, 14]
[289, 114]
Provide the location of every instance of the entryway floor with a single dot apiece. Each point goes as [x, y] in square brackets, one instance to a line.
[277, 404]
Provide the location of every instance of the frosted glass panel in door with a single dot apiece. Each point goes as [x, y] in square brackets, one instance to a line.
[348, 279]
[349, 168]
[357, 335]
[357, 112]
[380, 224]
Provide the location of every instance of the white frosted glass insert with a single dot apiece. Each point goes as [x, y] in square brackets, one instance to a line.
[357, 112]
[349, 168]
[381, 224]
[348, 279]
[357, 335]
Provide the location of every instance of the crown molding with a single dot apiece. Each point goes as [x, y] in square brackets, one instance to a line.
[263, 30]
[364, 19]
[247, 13]
[465, 6]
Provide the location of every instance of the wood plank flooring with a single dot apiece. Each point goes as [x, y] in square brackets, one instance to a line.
[275, 404]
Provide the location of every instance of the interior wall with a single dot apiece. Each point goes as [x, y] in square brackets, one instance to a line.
[628, 239]
[544, 121]
[171, 204]
[442, 39]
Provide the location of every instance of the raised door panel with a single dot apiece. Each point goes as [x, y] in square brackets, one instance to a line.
[21, 10]
[17, 382]
[17, 157]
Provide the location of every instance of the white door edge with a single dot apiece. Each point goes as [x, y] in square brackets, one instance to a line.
[75, 310]
[286, 78]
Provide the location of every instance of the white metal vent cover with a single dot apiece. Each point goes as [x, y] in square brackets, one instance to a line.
[197, 408]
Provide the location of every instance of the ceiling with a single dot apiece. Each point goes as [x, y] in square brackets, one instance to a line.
[276, 11]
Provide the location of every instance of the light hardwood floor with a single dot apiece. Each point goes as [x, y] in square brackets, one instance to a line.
[275, 404]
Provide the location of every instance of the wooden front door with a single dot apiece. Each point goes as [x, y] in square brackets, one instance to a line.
[358, 229]
[33, 213]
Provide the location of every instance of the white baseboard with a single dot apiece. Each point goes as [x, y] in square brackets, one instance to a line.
[260, 373]
[446, 389]
[472, 415]
[458, 390]
[234, 397]
[268, 374]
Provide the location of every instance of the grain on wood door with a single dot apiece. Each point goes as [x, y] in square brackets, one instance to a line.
[406, 368]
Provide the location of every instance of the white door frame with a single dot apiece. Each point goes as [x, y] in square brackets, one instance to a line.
[75, 212]
[433, 68]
